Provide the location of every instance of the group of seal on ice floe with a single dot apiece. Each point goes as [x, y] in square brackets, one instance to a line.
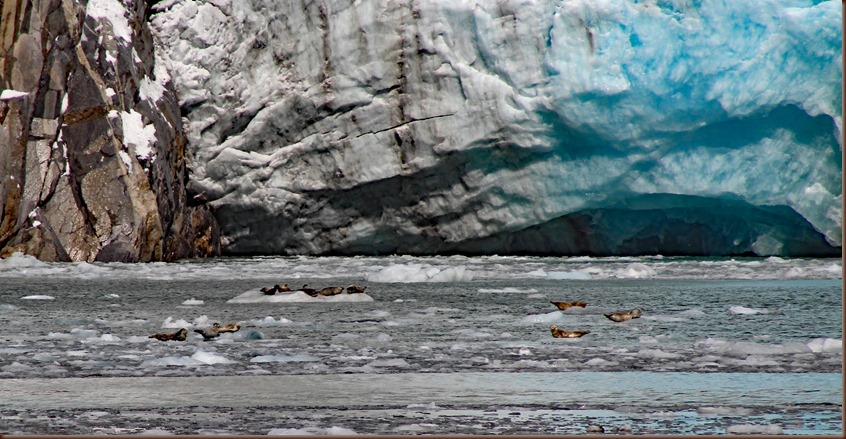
[216, 328]
[208, 333]
[619, 316]
[328, 291]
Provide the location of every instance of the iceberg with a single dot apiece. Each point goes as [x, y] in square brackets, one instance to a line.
[612, 127]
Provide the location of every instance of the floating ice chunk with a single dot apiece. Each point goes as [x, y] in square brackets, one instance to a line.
[311, 431]
[37, 297]
[175, 324]
[155, 432]
[83, 333]
[737, 309]
[409, 273]
[429, 406]
[8, 307]
[635, 270]
[753, 429]
[506, 290]
[392, 362]
[724, 411]
[17, 367]
[269, 321]
[826, 345]
[658, 354]
[472, 333]
[552, 316]
[199, 358]
[283, 358]
[568, 275]
[256, 296]
[537, 273]
[692, 312]
[747, 348]
[192, 301]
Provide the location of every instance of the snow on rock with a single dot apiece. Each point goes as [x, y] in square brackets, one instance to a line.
[7, 95]
[613, 127]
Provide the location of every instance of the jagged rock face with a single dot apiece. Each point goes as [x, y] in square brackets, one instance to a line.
[569, 127]
[92, 150]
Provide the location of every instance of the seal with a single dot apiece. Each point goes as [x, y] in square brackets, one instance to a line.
[624, 316]
[269, 291]
[560, 333]
[179, 335]
[231, 327]
[330, 291]
[565, 305]
[209, 333]
[310, 291]
[354, 289]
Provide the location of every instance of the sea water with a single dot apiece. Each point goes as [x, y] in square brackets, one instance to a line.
[444, 345]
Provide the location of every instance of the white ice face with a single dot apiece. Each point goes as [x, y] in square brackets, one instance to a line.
[479, 126]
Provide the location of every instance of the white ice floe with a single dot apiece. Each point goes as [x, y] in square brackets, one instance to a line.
[568, 275]
[754, 429]
[309, 431]
[507, 290]
[169, 322]
[269, 321]
[826, 345]
[552, 316]
[192, 302]
[38, 297]
[198, 359]
[748, 348]
[724, 411]
[282, 358]
[737, 309]
[256, 296]
[408, 273]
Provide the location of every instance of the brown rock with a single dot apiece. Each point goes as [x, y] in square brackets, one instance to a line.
[92, 164]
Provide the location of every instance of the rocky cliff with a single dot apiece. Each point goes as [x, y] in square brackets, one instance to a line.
[92, 148]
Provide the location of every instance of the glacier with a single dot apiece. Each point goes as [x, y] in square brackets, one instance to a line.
[590, 127]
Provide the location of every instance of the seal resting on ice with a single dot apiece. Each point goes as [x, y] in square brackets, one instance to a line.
[565, 305]
[231, 327]
[209, 333]
[275, 289]
[330, 291]
[179, 335]
[560, 333]
[310, 291]
[353, 289]
[622, 316]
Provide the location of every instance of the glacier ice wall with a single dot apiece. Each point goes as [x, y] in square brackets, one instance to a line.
[556, 127]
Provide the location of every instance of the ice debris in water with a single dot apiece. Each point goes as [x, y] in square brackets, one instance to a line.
[753, 429]
[737, 309]
[421, 273]
[192, 301]
[198, 359]
[334, 431]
